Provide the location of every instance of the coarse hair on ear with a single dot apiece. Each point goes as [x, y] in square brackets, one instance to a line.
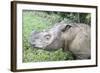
[66, 28]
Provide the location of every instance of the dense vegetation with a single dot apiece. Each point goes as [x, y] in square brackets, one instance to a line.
[39, 20]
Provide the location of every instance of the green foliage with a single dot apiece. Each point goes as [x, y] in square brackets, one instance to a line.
[39, 20]
[34, 55]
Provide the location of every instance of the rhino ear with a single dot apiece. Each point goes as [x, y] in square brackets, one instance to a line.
[66, 28]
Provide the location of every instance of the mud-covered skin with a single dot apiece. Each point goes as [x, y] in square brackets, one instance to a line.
[71, 37]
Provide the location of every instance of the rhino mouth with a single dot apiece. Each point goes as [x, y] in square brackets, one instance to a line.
[44, 48]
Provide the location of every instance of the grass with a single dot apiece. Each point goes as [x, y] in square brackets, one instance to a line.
[36, 20]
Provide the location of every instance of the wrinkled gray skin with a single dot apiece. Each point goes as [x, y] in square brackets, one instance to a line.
[70, 37]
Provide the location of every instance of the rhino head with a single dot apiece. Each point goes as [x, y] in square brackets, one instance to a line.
[50, 39]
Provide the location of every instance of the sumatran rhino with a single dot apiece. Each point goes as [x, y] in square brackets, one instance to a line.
[70, 37]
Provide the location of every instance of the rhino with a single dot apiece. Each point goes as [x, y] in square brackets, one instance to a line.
[73, 37]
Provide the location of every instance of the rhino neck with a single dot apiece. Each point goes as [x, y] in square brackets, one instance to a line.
[56, 44]
[67, 38]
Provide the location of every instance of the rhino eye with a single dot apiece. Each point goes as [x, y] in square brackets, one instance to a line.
[47, 37]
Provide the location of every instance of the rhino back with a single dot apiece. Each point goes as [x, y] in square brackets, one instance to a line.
[77, 39]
